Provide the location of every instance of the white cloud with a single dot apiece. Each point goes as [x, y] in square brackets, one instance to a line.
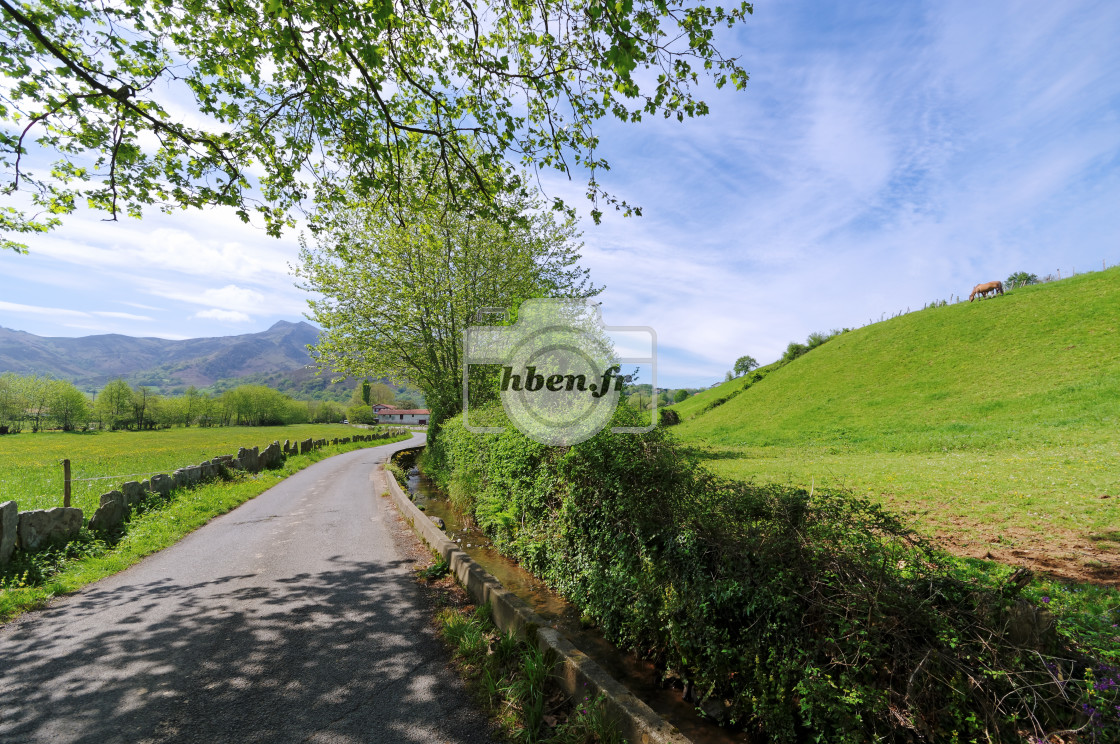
[243, 300]
[233, 297]
[226, 316]
[206, 244]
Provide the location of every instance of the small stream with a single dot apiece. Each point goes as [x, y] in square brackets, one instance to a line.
[638, 675]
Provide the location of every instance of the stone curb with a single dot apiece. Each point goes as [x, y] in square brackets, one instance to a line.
[576, 673]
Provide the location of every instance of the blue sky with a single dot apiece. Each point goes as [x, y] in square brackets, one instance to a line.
[884, 155]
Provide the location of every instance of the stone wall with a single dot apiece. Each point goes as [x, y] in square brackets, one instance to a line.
[38, 528]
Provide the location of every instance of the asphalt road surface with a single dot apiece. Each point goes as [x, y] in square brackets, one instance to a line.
[293, 618]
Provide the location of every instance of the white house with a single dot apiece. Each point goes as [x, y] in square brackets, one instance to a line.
[403, 416]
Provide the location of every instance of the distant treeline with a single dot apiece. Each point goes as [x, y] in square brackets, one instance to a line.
[35, 403]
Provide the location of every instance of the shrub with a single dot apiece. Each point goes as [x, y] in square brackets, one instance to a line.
[793, 351]
[397, 472]
[1021, 279]
[802, 616]
[361, 415]
[34, 569]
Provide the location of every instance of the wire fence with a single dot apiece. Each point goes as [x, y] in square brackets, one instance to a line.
[32, 475]
[1007, 286]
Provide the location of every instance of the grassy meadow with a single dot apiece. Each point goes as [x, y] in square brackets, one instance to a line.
[31, 475]
[996, 422]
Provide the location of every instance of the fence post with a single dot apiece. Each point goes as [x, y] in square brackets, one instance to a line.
[66, 483]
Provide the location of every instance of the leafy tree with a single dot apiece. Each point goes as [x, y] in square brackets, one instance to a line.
[69, 408]
[356, 397]
[368, 394]
[208, 411]
[1021, 279]
[114, 404]
[144, 404]
[729, 376]
[316, 94]
[257, 405]
[36, 399]
[171, 411]
[744, 364]
[396, 290]
[361, 415]
[13, 404]
[640, 401]
[190, 405]
[681, 395]
[405, 403]
[379, 392]
[329, 412]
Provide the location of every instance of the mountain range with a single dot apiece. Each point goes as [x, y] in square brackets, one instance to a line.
[277, 357]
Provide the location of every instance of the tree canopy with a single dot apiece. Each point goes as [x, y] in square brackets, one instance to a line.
[257, 105]
[1021, 279]
[397, 290]
[745, 364]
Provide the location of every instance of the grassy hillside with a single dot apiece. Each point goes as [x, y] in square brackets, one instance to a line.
[718, 395]
[997, 420]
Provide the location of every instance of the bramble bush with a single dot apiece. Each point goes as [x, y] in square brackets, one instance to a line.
[801, 616]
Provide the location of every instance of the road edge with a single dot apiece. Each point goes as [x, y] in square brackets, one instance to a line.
[576, 673]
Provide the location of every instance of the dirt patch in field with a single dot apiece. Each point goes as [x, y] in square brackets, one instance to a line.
[1062, 553]
[1048, 549]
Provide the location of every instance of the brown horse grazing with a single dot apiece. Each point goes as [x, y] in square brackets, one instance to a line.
[984, 289]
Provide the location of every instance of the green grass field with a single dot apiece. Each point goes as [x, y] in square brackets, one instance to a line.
[997, 422]
[31, 475]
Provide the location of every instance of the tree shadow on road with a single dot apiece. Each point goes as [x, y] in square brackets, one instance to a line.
[343, 655]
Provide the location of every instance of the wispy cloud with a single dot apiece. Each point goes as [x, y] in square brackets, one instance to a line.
[125, 316]
[877, 162]
[883, 155]
[54, 312]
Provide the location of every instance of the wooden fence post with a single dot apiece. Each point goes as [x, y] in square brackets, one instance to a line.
[66, 483]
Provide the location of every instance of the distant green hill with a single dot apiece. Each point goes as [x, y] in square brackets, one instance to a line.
[1027, 367]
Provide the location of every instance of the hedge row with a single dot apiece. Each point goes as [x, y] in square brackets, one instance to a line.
[801, 616]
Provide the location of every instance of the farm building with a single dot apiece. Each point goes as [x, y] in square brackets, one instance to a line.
[402, 416]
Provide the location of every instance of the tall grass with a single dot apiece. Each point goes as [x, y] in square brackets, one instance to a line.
[515, 678]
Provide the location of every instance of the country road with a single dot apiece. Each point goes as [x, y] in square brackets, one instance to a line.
[293, 618]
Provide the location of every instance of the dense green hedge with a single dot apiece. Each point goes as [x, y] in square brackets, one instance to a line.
[806, 617]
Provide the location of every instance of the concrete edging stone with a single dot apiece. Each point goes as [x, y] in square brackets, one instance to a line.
[576, 672]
